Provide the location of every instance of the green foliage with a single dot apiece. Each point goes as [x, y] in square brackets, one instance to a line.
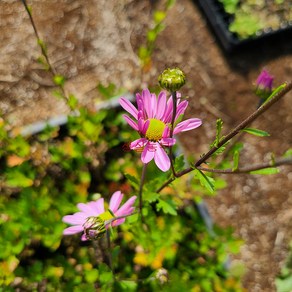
[45, 176]
[230, 6]
[145, 51]
[205, 180]
[256, 132]
[284, 280]
[245, 25]
[270, 170]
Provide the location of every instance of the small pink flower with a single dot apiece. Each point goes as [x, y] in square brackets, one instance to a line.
[265, 81]
[93, 218]
[152, 120]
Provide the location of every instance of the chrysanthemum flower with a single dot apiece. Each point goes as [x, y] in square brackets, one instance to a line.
[152, 120]
[264, 84]
[93, 220]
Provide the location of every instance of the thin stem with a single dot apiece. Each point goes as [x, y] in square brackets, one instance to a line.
[278, 162]
[174, 102]
[140, 194]
[232, 133]
[245, 123]
[108, 240]
[42, 46]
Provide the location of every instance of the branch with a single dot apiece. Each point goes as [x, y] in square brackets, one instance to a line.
[232, 133]
[248, 169]
[43, 49]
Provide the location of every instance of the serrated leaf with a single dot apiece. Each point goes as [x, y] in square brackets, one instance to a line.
[134, 182]
[166, 207]
[270, 170]
[205, 181]
[256, 132]
[150, 197]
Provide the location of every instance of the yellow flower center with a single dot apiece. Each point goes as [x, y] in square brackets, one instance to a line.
[155, 130]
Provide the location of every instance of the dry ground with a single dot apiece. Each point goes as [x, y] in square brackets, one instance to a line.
[97, 42]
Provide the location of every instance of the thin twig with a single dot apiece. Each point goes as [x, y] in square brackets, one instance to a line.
[248, 169]
[140, 194]
[232, 133]
[43, 49]
[174, 102]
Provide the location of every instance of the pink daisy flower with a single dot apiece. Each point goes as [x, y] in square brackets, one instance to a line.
[93, 220]
[152, 120]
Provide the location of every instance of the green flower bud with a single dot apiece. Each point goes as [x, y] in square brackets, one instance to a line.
[94, 228]
[172, 79]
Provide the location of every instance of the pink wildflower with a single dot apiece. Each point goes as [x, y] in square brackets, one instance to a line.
[152, 120]
[92, 219]
[265, 81]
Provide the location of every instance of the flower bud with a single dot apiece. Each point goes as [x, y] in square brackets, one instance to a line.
[172, 79]
[264, 84]
[94, 228]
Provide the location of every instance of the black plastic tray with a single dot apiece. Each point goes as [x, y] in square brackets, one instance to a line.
[219, 21]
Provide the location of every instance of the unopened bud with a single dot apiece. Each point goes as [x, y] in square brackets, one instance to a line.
[172, 79]
[264, 84]
[94, 228]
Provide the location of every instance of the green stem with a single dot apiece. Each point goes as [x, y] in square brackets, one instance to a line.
[43, 49]
[108, 240]
[140, 194]
[174, 101]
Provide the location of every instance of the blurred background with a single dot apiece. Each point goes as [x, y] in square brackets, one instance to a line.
[96, 43]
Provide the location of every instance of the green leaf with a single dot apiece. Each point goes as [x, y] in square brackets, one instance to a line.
[59, 80]
[150, 197]
[205, 180]
[219, 126]
[18, 179]
[256, 132]
[235, 160]
[167, 207]
[127, 285]
[159, 16]
[133, 181]
[275, 91]
[288, 153]
[270, 170]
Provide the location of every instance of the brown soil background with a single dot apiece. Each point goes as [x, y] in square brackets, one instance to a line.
[96, 42]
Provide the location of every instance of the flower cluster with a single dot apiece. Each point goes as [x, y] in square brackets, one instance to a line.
[93, 220]
[152, 120]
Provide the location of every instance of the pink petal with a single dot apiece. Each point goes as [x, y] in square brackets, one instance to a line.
[73, 230]
[148, 153]
[187, 125]
[143, 126]
[98, 206]
[168, 111]
[181, 108]
[167, 142]
[87, 209]
[75, 219]
[161, 159]
[139, 143]
[146, 95]
[115, 201]
[127, 207]
[118, 222]
[161, 105]
[130, 122]
[129, 107]
[83, 237]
